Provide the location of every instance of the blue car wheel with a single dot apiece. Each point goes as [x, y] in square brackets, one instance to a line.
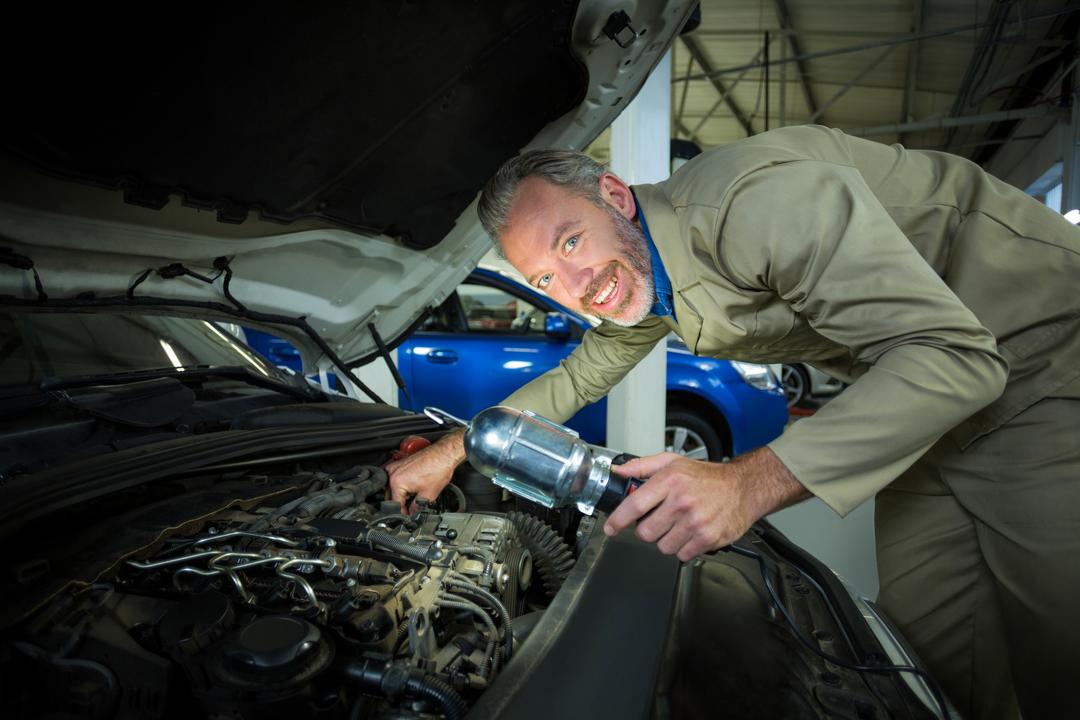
[686, 433]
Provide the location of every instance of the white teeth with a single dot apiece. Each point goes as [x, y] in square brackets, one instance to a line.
[605, 295]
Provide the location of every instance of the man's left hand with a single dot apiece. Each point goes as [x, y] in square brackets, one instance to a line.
[694, 506]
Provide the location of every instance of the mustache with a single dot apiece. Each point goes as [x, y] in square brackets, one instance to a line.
[598, 284]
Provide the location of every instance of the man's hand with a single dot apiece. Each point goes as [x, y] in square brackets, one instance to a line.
[699, 506]
[425, 473]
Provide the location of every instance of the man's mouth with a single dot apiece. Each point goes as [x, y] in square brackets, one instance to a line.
[608, 294]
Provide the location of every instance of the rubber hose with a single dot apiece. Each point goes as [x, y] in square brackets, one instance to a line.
[371, 676]
[393, 544]
[395, 519]
[552, 558]
[459, 496]
[439, 692]
[340, 495]
[456, 602]
[354, 473]
[467, 588]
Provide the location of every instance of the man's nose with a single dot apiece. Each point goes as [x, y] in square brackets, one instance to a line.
[576, 280]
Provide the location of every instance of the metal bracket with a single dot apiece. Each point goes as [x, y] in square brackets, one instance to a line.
[618, 27]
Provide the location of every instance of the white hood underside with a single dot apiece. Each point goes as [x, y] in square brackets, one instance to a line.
[84, 239]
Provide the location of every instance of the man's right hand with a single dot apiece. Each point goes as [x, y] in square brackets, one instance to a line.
[425, 473]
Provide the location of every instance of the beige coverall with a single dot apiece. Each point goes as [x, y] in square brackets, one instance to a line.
[952, 302]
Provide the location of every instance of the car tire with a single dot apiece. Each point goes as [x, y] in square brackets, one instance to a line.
[687, 433]
[796, 382]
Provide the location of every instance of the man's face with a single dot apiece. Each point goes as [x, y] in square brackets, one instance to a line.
[586, 257]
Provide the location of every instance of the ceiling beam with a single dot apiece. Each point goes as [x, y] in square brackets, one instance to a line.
[752, 34]
[720, 100]
[896, 40]
[866, 70]
[784, 15]
[690, 134]
[983, 51]
[911, 83]
[1042, 81]
[707, 69]
[685, 89]
[941, 123]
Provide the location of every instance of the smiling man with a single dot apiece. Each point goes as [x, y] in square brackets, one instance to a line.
[946, 297]
[611, 279]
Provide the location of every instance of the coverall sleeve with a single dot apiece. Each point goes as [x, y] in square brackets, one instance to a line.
[606, 354]
[814, 233]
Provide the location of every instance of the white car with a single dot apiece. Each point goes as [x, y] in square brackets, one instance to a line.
[803, 382]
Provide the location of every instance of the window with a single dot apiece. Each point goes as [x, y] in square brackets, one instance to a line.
[40, 345]
[443, 319]
[492, 310]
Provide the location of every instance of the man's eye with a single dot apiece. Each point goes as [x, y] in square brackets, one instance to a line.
[544, 280]
[571, 243]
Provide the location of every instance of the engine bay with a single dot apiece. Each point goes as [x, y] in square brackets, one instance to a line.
[258, 571]
[330, 604]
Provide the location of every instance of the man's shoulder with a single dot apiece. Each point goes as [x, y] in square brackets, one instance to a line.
[707, 178]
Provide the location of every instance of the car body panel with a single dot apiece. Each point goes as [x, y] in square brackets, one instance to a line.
[93, 221]
[720, 654]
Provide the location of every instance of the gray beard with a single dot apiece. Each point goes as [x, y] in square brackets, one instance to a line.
[635, 252]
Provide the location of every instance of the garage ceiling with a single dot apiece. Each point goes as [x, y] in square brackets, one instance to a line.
[875, 69]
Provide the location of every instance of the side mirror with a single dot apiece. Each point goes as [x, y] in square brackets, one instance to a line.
[557, 326]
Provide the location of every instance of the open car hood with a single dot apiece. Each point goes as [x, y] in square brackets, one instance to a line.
[329, 158]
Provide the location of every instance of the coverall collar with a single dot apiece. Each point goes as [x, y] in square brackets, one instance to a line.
[665, 301]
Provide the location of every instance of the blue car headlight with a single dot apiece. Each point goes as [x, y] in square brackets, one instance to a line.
[758, 376]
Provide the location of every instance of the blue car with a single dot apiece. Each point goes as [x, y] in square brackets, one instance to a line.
[493, 335]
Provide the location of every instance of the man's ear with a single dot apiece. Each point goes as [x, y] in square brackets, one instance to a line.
[617, 194]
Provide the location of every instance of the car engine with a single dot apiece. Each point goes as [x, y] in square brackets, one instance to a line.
[331, 605]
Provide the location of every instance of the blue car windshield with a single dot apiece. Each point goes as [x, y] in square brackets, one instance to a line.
[39, 345]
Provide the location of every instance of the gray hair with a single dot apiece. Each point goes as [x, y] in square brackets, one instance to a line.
[575, 171]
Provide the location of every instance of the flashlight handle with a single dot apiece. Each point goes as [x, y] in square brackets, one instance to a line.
[633, 483]
[618, 487]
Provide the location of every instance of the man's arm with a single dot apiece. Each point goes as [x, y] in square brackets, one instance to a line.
[603, 358]
[606, 354]
[815, 234]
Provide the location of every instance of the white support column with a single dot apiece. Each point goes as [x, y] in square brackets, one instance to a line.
[641, 153]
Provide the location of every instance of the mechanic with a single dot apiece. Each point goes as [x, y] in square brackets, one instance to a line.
[948, 298]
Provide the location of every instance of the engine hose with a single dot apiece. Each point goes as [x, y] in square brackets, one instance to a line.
[467, 588]
[438, 692]
[373, 676]
[455, 602]
[552, 557]
[459, 497]
[397, 545]
[369, 480]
